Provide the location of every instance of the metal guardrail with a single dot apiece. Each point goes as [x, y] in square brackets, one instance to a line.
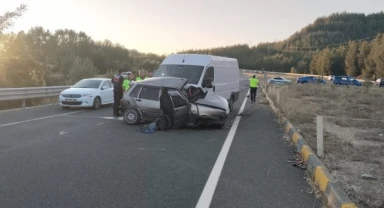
[7, 94]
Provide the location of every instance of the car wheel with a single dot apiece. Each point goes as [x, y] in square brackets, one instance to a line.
[231, 104]
[97, 103]
[131, 116]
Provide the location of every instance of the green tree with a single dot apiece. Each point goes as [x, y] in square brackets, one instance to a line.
[81, 68]
[351, 64]
[6, 20]
[364, 50]
[325, 62]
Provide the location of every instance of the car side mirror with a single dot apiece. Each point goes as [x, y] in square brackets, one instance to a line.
[208, 83]
[103, 87]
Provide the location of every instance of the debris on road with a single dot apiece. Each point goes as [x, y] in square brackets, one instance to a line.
[297, 161]
[162, 123]
[62, 132]
[368, 177]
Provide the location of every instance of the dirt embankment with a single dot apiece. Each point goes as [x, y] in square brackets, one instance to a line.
[353, 133]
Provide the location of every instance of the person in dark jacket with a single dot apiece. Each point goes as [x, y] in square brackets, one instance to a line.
[166, 105]
[118, 91]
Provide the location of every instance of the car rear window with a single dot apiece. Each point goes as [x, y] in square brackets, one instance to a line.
[150, 93]
[135, 91]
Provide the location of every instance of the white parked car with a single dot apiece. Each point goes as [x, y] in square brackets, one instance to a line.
[93, 92]
[279, 80]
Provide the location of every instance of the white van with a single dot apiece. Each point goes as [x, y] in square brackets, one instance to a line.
[223, 72]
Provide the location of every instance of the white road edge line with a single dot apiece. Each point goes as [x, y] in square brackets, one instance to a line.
[41, 118]
[209, 189]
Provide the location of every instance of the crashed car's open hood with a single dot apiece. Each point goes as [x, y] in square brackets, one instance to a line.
[216, 101]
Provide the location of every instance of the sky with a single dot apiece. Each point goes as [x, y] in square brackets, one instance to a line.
[166, 26]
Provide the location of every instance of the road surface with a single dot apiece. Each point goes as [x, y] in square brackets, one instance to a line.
[51, 157]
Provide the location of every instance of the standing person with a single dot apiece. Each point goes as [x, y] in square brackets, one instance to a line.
[141, 76]
[118, 91]
[149, 74]
[127, 81]
[166, 105]
[253, 82]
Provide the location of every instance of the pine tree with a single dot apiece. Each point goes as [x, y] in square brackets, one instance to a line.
[351, 67]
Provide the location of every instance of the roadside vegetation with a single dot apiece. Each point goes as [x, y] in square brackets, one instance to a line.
[353, 133]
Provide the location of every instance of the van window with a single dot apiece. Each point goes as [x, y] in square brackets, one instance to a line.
[210, 73]
[190, 72]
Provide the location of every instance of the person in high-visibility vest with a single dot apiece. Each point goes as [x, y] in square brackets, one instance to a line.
[253, 84]
[141, 76]
[127, 81]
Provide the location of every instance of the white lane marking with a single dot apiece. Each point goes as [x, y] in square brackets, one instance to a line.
[41, 118]
[243, 105]
[209, 189]
[150, 149]
[112, 118]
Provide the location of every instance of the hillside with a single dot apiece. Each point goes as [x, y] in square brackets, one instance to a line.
[323, 47]
[337, 28]
[39, 57]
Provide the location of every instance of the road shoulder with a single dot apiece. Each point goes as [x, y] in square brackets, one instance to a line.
[256, 173]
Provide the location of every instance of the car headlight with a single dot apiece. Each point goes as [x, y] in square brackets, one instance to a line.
[87, 95]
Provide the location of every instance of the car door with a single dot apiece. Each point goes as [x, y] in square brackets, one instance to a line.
[105, 92]
[148, 101]
[181, 109]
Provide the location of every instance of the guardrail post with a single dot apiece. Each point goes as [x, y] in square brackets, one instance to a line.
[23, 103]
[320, 143]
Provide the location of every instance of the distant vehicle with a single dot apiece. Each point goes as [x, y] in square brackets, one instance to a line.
[310, 79]
[380, 82]
[215, 74]
[93, 92]
[142, 103]
[279, 80]
[330, 77]
[346, 80]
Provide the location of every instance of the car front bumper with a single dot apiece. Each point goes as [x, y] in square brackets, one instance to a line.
[76, 102]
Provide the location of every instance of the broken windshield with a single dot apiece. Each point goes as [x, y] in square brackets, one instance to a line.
[191, 72]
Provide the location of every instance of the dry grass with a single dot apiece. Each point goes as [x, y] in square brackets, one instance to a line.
[353, 132]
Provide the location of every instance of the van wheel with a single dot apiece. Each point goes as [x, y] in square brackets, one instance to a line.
[231, 104]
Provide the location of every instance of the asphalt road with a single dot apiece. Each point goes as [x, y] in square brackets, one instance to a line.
[51, 157]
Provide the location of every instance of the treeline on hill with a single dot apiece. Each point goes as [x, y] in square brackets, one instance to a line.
[40, 57]
[342, 43]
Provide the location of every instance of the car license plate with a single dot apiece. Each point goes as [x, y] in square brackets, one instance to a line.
[70, 100]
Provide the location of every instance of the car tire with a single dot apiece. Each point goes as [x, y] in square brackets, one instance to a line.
[132, 116]
[96, 103]
[231, 104]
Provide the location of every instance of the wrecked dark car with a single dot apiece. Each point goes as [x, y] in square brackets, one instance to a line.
[184, 104]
